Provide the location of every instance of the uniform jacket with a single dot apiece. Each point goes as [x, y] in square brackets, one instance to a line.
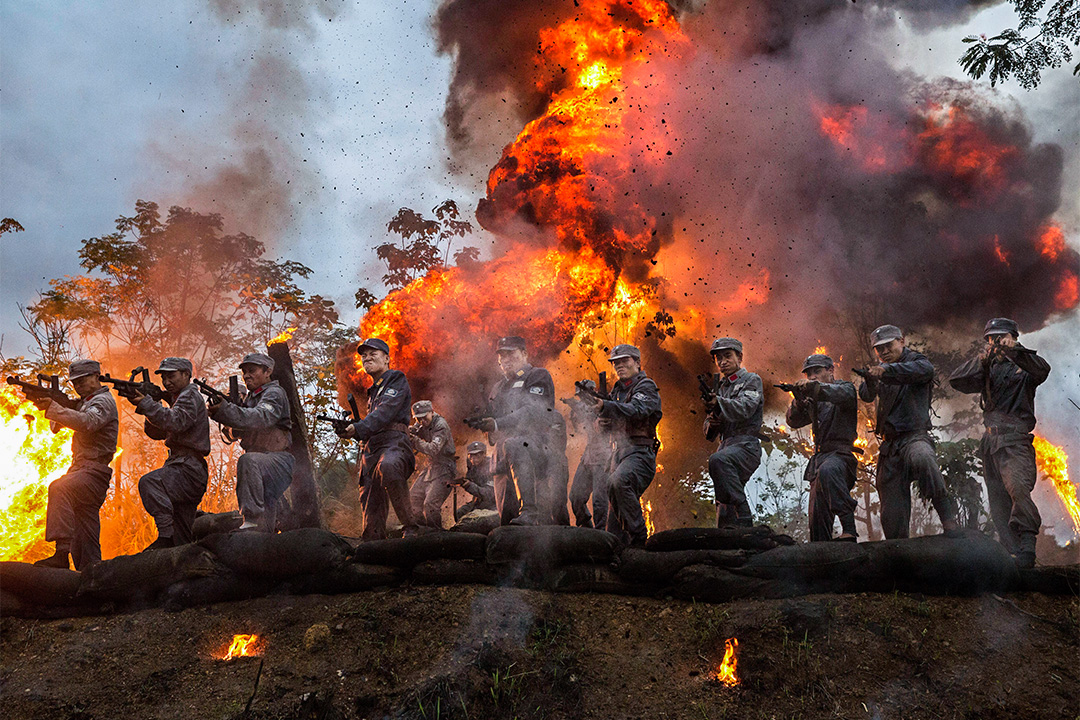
[902, 393]
[832, 410]
[96, 424]
[524, 405]
[389, 410]
[634, 411]
[263, 418]
[740, 407]
[436, 443]
[1006, 384]
[185, 424]
[480, 484]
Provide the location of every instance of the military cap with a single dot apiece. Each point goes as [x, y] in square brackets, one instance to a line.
[725, 343]
[511, 342]
[374, 344]
[82, 368]
[258, 359]
[1001, 326]
[172, 364]
[817, 360]
[885, 334]
[477, 447]
[421, 407]
[624, 351]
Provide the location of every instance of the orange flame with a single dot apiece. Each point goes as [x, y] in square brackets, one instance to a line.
[285, 336]
[726, 673]
[243, 646]
[646, 511]
[1054, 464]
[1051, 242]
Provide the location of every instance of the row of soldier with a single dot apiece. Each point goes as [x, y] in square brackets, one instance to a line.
[527, 478]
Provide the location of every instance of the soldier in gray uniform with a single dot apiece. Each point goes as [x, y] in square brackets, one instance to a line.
[172, 493]
[901, 384]
[478, 481]
[634, 412]
[1005, 375]
[72, 518]
[263, 424]
[431, 438]
[830, 407]
[591, 476]
[735, 414]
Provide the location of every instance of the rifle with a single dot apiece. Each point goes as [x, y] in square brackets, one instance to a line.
[786, 387]
[51, 391]
[128, 388]
[479, 414]
[863, 372]
[348, 417]
[705, 386]
[599, 393]
[217, 396]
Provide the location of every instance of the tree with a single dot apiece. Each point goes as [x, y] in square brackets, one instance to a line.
[10, 225]
[1037, 43]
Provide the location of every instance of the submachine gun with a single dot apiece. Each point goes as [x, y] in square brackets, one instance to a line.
[348, 417]
[706, 386]
[479, 414]
[39, 391]
[600, 392]
[216, 396]
[131, 387]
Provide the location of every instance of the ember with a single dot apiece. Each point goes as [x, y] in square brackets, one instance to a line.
[726, 673]
[243, 646]
[1054, 464]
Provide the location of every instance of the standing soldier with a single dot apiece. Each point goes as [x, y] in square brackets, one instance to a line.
[831, 409]
[263, 424]
[1005, 375]
[430, 436]
[172, 493]
[901, 383]
[387, 460]
[591, 476]
[634, 412]
[72, 518]
[522, 405]
[478, 481]
[736, 407]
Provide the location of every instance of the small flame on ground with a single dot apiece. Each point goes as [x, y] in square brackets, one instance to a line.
[285, 336]
[1054, 464]
[726, 673]
[243, 646]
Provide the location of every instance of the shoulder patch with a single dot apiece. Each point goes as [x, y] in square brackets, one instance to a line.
[518, 384]
[536, 390]
[640, 396]
[752, 393]
[391, 392]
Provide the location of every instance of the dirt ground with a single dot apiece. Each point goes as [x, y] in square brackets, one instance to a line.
[480, 652]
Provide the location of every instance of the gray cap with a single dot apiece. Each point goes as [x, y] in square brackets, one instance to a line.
[511, 342]
[1001, 326]
[885, 334]
[725, 343]
[624, 351]
[422, 407]
[82, 368]
[172, 364]
[258, 359]
[374, 344]
[476, 447]
[817, 360]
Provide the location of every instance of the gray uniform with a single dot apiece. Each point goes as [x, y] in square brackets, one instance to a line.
[72, 518]
[264, 471]
[172, 493]
[1006, 383]
[832, 411]
[479, 483]
[736, 421]
[432, 486]
[906, 453]
[591, 476]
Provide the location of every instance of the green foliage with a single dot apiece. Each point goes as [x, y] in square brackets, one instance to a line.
[961, 467]
[1012, 53]
[421, 243]
[10, 225]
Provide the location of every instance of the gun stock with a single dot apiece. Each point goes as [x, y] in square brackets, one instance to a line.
[39, 391]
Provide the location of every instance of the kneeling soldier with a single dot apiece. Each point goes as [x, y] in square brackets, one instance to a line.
[172, 493]
[478, 481]
[1006, 375]
[431, 437]
[263, 424]
[831, 409]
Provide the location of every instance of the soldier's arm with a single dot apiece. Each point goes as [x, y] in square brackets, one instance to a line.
[266, 414]
[94, 415]
[440, 440]
[868, 390]
[711, 428]
[390, 406]
[917, 371]
[744, 405]
[969, 377]
[539, 400]
[1029, 361]
[644, 402]
[798, 414]
[178, 418]
[841, 394]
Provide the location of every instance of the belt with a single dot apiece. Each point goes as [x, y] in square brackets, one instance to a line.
[839, 446]
[1005, 430]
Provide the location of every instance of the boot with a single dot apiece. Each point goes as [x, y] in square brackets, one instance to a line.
[59, 559]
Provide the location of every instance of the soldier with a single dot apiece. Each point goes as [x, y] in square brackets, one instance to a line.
[478, 481]
[901, 383]
[1005, 375]
[831, 409]
[634, 412]
[430, 436]
[523, 410]
[263, 424]
[172, 493]
[72, 518]
[387, 460]
[735, 409]
[591, 476]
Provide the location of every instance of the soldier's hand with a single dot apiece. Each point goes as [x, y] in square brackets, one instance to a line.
[42, 403]
[876, 371]
[346, 433]
[487, 425]
[213, 405]
[134, 396]
[1007, 341]
[801, 384]
[597, 404]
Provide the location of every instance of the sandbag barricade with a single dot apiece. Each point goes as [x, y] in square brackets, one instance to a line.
[478, 521]
[526, 556]
[31, 591]
[213, 523]
[138, 580]
[407, 552]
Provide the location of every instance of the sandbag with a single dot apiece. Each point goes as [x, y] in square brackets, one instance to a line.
[937, 565]
[224, 586]
[13, 605]
[347, 578]
[282, 555]
[478, 521]
[453, 572]
[646, 566]
[143, 576]
[711, 583]
[213, 523]
[39, 585]
[1052, 580]
[817, 567]
[591, 578]
[407, 552]
[759, 537]
[550, 545]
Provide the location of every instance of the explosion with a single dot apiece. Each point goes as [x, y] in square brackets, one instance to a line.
[1054, 464]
